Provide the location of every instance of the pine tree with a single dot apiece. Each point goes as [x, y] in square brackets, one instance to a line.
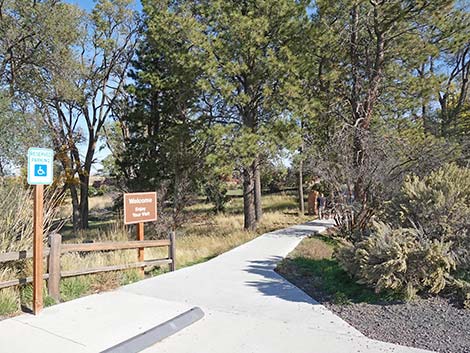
[250, 77]
[162, 125]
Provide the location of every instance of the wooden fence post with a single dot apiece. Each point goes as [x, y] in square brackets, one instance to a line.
[53, 283]
[172, 250]
[141, 251]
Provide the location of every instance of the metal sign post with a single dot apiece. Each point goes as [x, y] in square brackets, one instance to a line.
[40, 168]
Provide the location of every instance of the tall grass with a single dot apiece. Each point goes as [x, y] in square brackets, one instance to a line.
[94, 203]
[16, 216]
[16, 233]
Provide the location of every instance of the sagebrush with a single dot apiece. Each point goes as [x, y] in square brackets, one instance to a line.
[424, 245]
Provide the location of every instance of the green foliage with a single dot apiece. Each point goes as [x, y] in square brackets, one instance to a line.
[426, 243]
[26, 295]
[129, 277]
[274, 176]
[18, 131]
[163, 149]
[439, 204]
[92, 191]
[335, 281]
[35, 35]
[216, 191]
[463, 291]
[251, 75]
[74, 287]
[402, 260]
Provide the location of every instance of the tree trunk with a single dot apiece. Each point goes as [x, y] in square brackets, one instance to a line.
[75, 207]
[301, 188]
[301, 172]
[84, 209]
[258, 202]
[249, 198]
[84, 176]
[176, 196]
[359, 155]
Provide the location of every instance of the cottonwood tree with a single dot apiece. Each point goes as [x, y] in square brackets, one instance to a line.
[79, 92]
[33, 36]
[18, 131]
[32, 33]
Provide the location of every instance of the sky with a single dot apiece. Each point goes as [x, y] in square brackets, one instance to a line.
[88, 4]
[102, 151]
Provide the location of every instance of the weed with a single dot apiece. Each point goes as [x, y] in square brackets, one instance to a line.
[74, 287]
[49, 301]
[129, 277]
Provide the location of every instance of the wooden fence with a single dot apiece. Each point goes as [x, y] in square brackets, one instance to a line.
[56, 249]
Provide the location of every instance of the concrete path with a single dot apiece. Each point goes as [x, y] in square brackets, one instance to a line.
[87, 325]
[248, 309]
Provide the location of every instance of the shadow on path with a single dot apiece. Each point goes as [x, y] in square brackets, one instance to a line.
[274, 285]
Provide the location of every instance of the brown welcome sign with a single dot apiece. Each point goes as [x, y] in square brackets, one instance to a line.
[140, 207]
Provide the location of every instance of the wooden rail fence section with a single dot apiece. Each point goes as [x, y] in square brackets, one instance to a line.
[56, 249]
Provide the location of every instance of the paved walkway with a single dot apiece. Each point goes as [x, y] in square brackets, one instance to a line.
[248, 309]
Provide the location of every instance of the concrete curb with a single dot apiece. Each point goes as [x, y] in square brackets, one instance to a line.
[150, 337]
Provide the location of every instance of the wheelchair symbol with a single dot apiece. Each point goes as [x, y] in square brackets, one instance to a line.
[40, 170]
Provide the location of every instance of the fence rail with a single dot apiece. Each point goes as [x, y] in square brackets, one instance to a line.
[19, 255]
[56, 249]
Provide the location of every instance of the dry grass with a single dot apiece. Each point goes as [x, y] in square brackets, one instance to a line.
[95, 203]
[313, 248]
[195, 242]
[207, 237]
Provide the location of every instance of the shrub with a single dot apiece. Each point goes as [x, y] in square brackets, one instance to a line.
[403, 260]
[439, 204]
[74, 287]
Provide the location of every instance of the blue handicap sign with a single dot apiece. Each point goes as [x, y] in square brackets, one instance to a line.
[40, 166]
[40, 170]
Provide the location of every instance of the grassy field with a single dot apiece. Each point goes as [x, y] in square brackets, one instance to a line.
[204, 236]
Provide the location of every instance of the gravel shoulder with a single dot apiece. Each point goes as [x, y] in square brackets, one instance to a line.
[433, 323]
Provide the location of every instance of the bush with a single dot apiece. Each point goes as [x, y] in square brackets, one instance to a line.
[439, 204]
[402, 260]
[93, 191]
